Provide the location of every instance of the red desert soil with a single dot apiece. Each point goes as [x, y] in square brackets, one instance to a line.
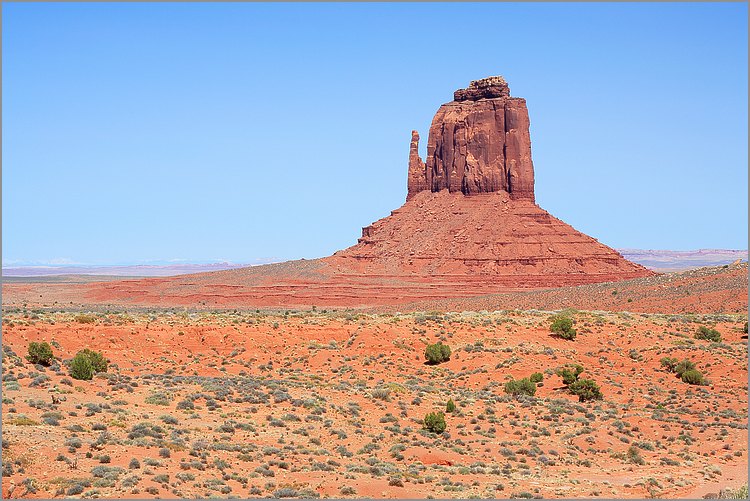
[705, 290]
[331, 404]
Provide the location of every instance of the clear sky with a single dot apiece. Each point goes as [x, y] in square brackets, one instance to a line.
[137, 133]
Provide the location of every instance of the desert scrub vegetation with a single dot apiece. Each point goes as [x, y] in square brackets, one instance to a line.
[435, 422]
[685, 370]
[86, 363]
[158, 398]
[360, 425]
[85, 319]
[570, 374]
[518, 387]
[740, 493]
[584, 389]
[450, 406]
[562, 326]
[437, 353]
[706, 334]
[40, 353]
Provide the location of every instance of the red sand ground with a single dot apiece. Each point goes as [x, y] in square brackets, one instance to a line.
[706, 290]
[316, 402]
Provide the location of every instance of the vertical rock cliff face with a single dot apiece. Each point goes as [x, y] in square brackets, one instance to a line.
[478, 143]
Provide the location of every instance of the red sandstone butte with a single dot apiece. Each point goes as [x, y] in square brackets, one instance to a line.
[470, 213]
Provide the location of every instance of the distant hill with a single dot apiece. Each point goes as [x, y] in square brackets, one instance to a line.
[669, 260]
[120, 271]
[657, 260]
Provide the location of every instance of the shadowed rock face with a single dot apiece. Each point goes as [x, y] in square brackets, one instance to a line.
[478, 143]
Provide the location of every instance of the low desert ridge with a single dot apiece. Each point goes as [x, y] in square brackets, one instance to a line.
[304, 284]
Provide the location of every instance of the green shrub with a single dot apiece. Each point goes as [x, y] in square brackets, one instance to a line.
[437, 353]
[562, 326]
[585, 389]
[450, 406]
[98, 362]
[435, 422]
[520, 387]
[692, 376]
[536, 377]
[685, 370]
[669, 363]
[684, 366]
[81, 368]
[158, 398]
[570, 374]
[86, 363]
[40, 353]
[707, 334]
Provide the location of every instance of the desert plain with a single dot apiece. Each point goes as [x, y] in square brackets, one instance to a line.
[330, 403]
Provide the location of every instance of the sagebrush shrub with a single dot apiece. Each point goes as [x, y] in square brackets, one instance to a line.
[684, 366]
[98, 362]
[685, 370]
[450, 406]
[85, 319]
[570, 374]
[634, 456]
[81, 368]
[669, 363]
[692, 376]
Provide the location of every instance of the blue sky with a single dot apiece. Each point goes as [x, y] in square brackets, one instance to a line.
[144, 132]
